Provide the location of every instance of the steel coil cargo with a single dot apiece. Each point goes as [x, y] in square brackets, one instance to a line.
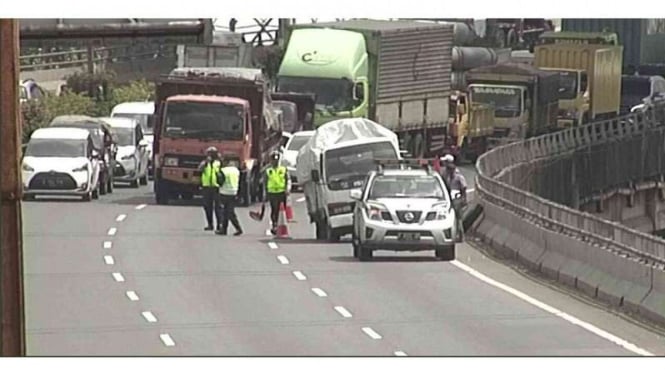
[466, 58]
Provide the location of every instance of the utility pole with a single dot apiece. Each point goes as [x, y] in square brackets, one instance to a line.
[12, 325]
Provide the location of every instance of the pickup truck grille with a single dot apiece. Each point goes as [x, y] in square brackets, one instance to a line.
[408, 216]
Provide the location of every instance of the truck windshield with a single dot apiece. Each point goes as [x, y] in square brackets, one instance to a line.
[567, 85]
[333, 94]
[347, 167]
[506, 100]
[406, 186]
[204, 120]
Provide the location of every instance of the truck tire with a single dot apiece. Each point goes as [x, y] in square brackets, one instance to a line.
[446, 253]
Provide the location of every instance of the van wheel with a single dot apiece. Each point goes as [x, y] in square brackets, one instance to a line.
[446, 253]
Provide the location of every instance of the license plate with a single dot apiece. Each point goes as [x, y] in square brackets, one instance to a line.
[408, 236]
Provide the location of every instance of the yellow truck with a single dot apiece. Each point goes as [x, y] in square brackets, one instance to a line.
[590, 79]
[470, 127]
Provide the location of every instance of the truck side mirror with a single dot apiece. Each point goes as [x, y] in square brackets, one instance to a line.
[316, 177]
[359, 91]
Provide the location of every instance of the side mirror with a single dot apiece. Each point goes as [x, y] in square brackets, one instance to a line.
[359, 91]
[316, 177]
[355, 194]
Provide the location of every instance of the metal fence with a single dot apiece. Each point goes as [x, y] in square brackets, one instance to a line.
[505, 178]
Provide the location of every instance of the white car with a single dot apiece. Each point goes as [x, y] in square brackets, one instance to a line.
[132, 156]
[61, 161]
[290, 153]
[142, 112]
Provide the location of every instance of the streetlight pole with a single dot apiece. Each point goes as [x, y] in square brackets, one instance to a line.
[12, 325]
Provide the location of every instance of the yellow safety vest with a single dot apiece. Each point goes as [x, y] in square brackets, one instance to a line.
[276, 179]
[231, 177]
[209, 174]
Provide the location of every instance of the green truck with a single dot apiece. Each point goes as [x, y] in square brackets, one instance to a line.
[525, 99]
[396, 73]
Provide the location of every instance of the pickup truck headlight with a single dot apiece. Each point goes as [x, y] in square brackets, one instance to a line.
[170, 161]
[81, 168]
[27, 167]
[377, 212]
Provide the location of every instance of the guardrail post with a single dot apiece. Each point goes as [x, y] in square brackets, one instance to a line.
[12, 320]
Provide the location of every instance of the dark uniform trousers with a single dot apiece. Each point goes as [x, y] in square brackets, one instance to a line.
[212, 203]
[275, 200]
[229, 203]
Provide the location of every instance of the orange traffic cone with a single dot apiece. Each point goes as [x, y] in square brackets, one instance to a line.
[289, 210]
[282, 228]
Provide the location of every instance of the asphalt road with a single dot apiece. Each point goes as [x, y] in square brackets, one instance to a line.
[122, 276]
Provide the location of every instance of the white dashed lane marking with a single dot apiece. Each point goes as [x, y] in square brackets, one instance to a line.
[567, 317]
[283, 260]
[371, 333]
[109, 260]
[112, 231]
[108, 245]
[118, 277]
[300, 200]
[345, 313]
[121, 218]
[149, 317]
[166, 339]
[272, 245]
[131, 295]
[299, 275]
[400, 354]
[139, 207]
[319, 292]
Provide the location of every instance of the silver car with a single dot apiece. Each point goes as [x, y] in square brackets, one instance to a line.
[405, 210]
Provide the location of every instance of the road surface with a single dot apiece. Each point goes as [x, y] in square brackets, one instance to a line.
[123, 276]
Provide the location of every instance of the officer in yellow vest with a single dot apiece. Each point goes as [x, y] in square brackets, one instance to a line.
[210, 169]
[278, 185]
[229, 178]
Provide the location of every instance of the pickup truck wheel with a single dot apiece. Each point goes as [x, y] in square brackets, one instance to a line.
[446, 253]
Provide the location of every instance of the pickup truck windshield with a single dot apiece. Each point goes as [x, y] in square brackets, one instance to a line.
[204, 120]
[506, 100]
[56, 148]
[406, 186]
[332, 94]
[347, 167]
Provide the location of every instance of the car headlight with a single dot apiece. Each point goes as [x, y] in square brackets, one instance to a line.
[170, 161]
[82, 168]
[377, 212]
[27, 167]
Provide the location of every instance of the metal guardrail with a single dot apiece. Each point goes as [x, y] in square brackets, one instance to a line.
[493, 168]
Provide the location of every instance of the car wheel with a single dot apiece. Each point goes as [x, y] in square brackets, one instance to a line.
[134, 184]
[446, 253]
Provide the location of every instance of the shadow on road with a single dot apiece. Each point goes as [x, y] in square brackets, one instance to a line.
[379, 258]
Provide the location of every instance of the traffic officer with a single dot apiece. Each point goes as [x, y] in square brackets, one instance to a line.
[453, 177]
[229, 178]
[278, 185]
[210, 169]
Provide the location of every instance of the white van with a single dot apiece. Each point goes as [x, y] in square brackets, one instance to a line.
[132, 156]
[141, 112]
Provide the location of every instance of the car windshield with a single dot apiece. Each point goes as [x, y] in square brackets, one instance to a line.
[289, 115]
[124, 136]
[406, 186]
[506, 100]
[56, 148]
[356, 161]
[95, 132]
[332, 94]
[206, 120]
[298, 142]
[142, 119]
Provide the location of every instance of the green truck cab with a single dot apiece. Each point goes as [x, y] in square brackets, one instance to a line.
[396, 73]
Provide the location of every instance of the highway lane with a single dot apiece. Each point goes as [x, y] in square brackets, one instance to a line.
[226, 296]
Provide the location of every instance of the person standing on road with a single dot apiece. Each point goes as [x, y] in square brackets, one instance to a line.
[453, 177]
[210, 169]
[229, 178]
[278, 185]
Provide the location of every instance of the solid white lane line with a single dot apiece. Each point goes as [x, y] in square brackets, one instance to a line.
[149, 317]
[283, 260]
[301, 199]
[471, 190]
[319, 292]
[371, 333]
[142, 206]
[118, 277]
[299, 275]
[342, 310]
[131, 295]
[108, 245]
[166, 339]
[272, 245]
[109, 260]
[400, 354]
[121, 218]
[565, 316]
[112, 231]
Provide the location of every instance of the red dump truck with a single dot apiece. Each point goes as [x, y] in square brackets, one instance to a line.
[229, 108]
